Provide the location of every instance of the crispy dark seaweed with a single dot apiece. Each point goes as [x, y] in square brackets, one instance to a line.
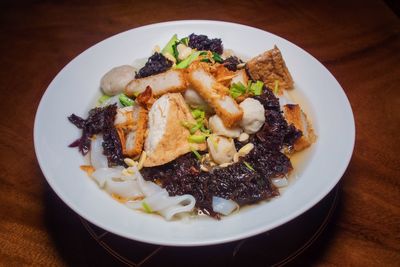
[157, 63]
[100, 120]
[202, 42]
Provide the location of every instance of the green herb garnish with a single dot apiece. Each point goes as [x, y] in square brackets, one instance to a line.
[191, 126]
[204, 130]
[146, 207]
[217, 57]
[237, 89]
[195, 138]
[168, 48]
[197, 154]
[276, 87]
[125, 101]
[103, 99]
[175, 52]
[249, 166]
[256, 88]
[184, 41]
[198, 113]
[187, 61]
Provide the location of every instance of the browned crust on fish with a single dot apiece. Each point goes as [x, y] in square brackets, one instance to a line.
[138, 86]
[214, 95]
[136, 122]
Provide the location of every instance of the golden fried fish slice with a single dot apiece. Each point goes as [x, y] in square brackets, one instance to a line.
[215, 94]
[167, 82]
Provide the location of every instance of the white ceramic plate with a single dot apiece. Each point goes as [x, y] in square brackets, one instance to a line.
[76, 87]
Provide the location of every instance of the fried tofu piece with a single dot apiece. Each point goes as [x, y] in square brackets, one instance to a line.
[215, 94]
[294, 115]
[270, 67]
[167, 138]
[167, 82]
[131, 125]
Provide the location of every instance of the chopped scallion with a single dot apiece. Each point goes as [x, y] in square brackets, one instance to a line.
[103, 98]
[184, 41]
[187, 61]
[276, 87]
[197, 154]
[168, 47]
[237, 89]
[125, 101]
[256, 88]
[146, 207]
[194, 129]
[204, 130]
[197, 138]
[217, 57]
[198, 113]
[187, 124]
[248, 166]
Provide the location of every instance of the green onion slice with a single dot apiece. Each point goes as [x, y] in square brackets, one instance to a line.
[103, 98]
[198, 139]
[168, 48]
[146, 207]
[237, 89]
[276, 87]
[187, 61]
[248, 166]
[125, 101]
[256, 88]
[217, 57]
[197, 154]
[198, 113]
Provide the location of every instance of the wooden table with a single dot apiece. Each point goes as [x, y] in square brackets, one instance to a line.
[358, 41]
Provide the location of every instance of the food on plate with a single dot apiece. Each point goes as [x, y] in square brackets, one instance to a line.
[298, 118]
[131, 125]
[253, 115]
[270, 67]
[196, 129]
[217, 127]
[214, 93]
[167, 138]
[170, 81]
[115, 81]
[193, 99]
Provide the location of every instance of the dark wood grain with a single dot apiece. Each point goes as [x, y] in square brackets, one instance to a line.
[358, 41]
